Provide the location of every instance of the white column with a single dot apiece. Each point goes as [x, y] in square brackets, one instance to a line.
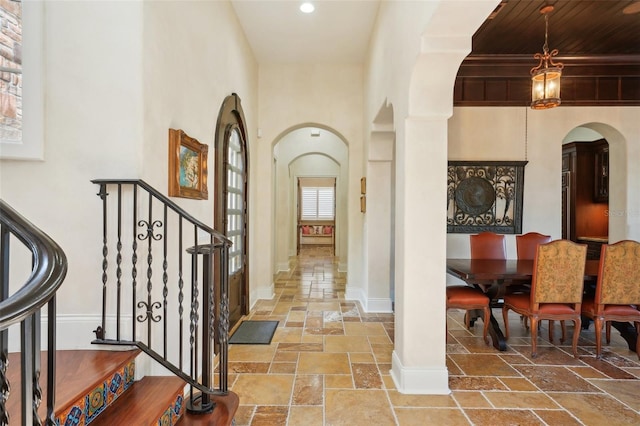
[419, 358]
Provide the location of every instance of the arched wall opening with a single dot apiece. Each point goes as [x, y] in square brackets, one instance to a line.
[308, 150]
[616, 212]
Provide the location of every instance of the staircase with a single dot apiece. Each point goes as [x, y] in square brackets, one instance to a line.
[180, 323]
[97, 387]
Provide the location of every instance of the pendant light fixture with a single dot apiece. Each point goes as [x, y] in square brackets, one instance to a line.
[545, 78]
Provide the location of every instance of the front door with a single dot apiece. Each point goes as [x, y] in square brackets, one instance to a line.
[231, 201]
[235, 226]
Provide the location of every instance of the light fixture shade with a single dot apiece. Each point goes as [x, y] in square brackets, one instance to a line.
[545, 78]
[545, 88]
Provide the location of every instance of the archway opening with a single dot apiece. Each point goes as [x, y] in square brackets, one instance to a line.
[306, 154]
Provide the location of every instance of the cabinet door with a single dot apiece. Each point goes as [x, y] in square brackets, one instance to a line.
[566, 206]
[601, 187]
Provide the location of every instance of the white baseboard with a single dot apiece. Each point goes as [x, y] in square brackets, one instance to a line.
[355, 294]
[419, 380]
[73, 332]
[343, 266]
[266, 292]
[379, 305]
[283, 267]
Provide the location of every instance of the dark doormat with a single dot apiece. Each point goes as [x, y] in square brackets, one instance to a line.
[254, 333]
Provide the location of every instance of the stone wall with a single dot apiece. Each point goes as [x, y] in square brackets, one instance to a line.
[10, 82]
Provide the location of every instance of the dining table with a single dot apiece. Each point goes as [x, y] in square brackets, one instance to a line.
[496, 275]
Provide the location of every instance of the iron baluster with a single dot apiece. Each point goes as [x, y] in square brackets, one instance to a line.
[119, 263]
[5, 386]
[26, 359]
[35, 344]
[180, 294]
[51, 362]
[165, 289]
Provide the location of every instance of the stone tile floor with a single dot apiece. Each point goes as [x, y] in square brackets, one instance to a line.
[329, 362]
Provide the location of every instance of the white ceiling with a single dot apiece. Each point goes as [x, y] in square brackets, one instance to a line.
[336, 32]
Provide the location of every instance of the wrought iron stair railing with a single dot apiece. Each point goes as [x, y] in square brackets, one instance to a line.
[170, 299]
[48, 265]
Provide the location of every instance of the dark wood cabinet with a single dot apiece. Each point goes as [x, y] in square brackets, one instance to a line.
[601, 177]
[584, 204]
[594, 246]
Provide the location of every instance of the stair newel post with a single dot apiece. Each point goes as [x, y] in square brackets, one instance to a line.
[223, 322]
[201, 403]
[103, 194]
[134, 260]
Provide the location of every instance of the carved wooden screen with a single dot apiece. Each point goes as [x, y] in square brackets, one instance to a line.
[485, 196]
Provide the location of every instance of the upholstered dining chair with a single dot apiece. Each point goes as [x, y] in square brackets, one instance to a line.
[617, 296]
[556, 289]
[468, 298]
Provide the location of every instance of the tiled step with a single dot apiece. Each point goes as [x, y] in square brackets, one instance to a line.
[97, 387]
[86, 382]
[150, 401]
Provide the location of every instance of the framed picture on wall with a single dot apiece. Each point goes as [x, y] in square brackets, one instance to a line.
[485, 196]
[187, 166]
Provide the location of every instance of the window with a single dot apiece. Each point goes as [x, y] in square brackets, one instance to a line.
[318, 203]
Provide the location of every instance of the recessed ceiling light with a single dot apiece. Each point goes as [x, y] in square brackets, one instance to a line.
[307, 7]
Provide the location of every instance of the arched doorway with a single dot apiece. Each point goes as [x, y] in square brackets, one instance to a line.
[611, 171]
[307, 152]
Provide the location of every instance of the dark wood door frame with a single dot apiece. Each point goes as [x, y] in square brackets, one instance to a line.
[231, 119]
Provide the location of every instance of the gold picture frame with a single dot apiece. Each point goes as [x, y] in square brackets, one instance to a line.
[187, 166]
[363, 185]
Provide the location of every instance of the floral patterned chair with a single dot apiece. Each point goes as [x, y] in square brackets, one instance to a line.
[556, 289]
[617, 296]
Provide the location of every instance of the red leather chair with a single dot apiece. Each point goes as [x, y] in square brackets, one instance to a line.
[488, 245]
[617, 296]
[556, 289]
[527, 244]
[466, 297]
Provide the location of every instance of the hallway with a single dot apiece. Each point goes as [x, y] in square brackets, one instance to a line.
[329, 362]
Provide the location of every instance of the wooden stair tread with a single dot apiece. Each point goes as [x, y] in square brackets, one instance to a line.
[144, 401]
[77, 373]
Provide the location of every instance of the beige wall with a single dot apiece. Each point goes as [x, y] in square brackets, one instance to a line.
[294, 96]
[117, 76]
[299, 155]
[500, 134]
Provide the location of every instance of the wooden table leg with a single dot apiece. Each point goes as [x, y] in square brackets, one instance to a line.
[628, 333]
[497, 337]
